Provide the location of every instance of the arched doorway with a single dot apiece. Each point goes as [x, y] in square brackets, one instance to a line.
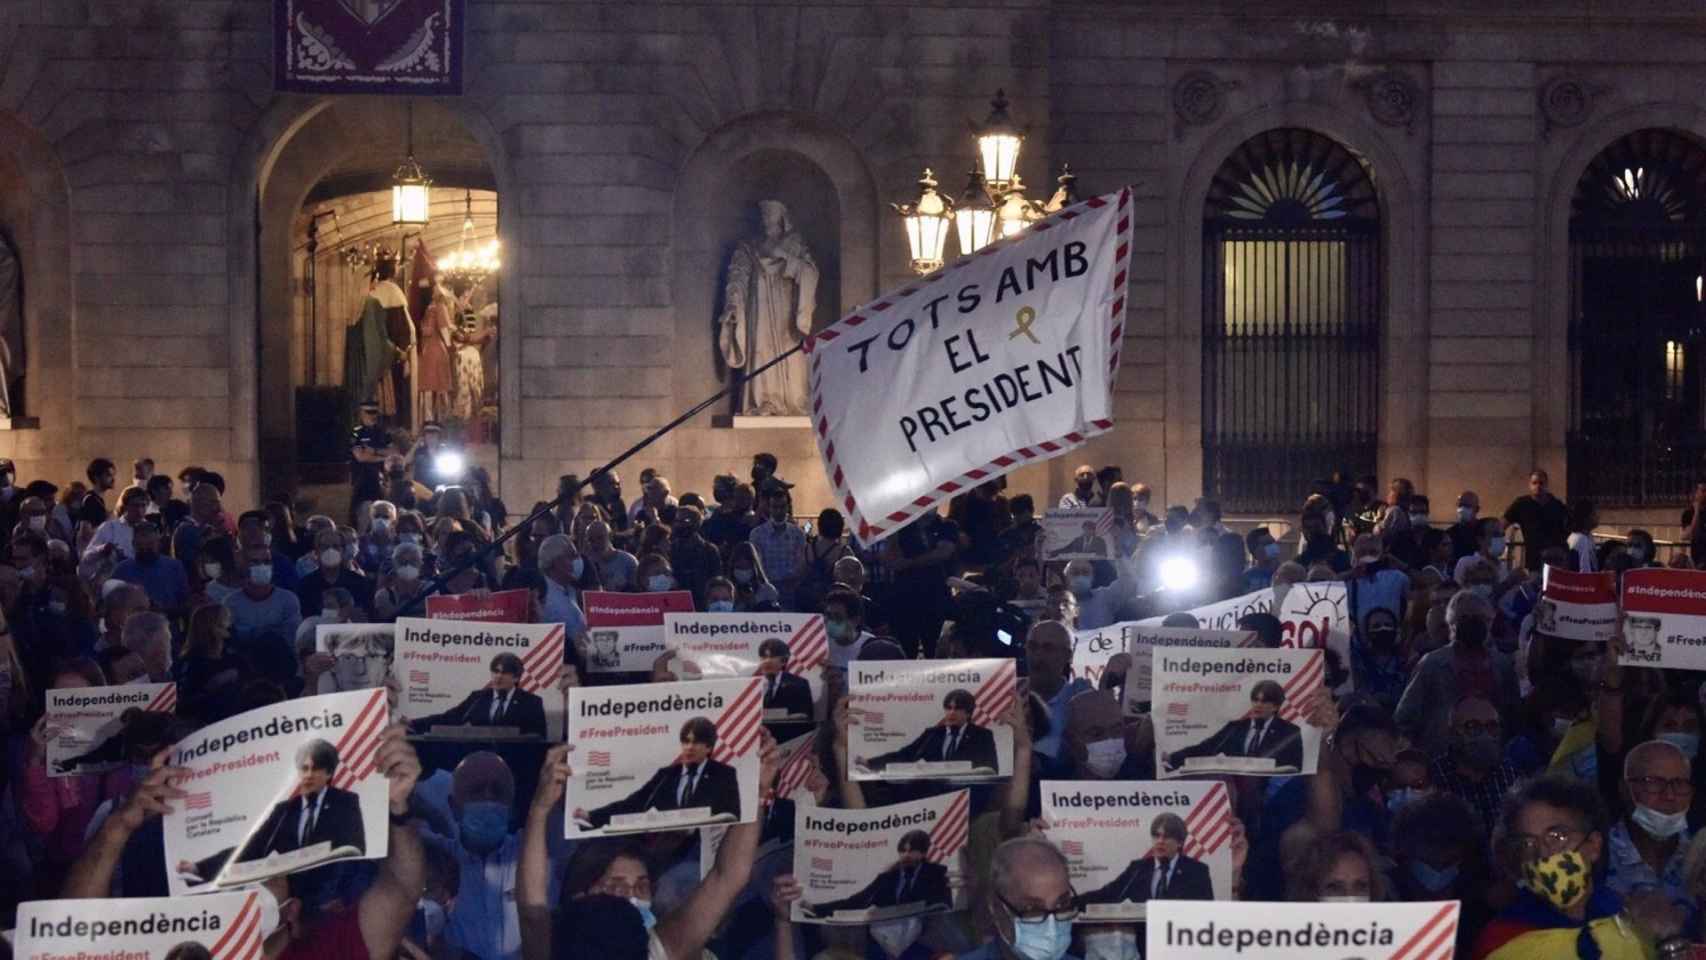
[325, 212]
[1637, 342]
[1292, 317]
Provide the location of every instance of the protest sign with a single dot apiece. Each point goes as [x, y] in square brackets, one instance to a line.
[85, 725]
[1000, 360]
[881, 863]
[797, 774]
[727, 645]
[1664, 622]
[1076, 535]
[227, 926]
[624, 631]
[1191, 930]
[930, 718]
[663, 756]
[361, 655]
[278, 789]
[1224, 614]
[1236, 711]
[1138, 640]
[1098, 824]
[1092, 649]
[504, 606]
[469, 679]
[1577, 606]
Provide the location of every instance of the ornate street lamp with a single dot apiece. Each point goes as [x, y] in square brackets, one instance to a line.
[1015, 212]
[974, 215]
[927, 225]
[993, 205]
[998, 144]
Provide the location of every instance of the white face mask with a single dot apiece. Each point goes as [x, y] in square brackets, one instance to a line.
[1343, 899]
[1080, 585]
[659, 582]
[408, 572]
[894, 936]
[260, 575]
[1662, 825]
[381, 524]
[721, 606]
[1104, 758]
[330, 613]
[432, 917]
[578, 567]
[411, 538]
[212, 570]
[1418, 519]
[743, 576]
[331, 557]
[1465, 515]
[1110, 943]
[1496, 545]
[39, 522]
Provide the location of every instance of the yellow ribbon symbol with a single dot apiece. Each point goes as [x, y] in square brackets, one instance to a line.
[1026, 317]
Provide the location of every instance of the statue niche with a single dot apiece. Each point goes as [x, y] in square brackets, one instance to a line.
[769, 302]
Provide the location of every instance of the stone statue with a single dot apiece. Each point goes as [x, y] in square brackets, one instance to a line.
[767, 309]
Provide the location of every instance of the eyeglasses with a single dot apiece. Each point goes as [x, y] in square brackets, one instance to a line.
[1662, 785]
[1554, 840]
[1066, 913]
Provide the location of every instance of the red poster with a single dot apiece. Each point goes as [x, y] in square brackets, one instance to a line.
[506, 606]
[625, 630]
[1577, 606]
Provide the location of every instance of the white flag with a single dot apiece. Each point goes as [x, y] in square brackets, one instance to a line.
[1004, 358]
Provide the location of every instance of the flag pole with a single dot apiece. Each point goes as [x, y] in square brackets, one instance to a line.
[436, 584]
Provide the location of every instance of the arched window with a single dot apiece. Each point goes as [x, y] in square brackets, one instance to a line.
[1291, 320]
[1637, 255]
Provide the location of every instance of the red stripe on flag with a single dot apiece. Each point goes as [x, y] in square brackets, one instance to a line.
[535, 655]
[738, 726]
[161, 700]
[950, 832]
[810, 647]
[231, 931]
[361, 719]
[1298, 688]
[947, 830]
[354, 758]
[1207, 808]
[1423, 933]
[996, 694]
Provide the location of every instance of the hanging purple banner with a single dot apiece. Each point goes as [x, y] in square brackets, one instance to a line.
[368, 46]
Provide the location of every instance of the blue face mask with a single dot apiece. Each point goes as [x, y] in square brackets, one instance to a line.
[1045, 940]
[1431, 879]
[484, 825]
[645, 907]
[1400, 797]
[1688, 743]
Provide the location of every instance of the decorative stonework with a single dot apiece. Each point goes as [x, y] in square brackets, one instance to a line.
[1199, 98]
[1565, 101]
[1393, 99]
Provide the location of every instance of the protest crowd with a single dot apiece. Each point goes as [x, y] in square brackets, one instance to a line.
[1468, 750]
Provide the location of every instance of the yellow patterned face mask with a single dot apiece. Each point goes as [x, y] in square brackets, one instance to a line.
[1561, 879]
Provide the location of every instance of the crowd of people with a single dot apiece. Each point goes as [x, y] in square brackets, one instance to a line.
[1468, 755]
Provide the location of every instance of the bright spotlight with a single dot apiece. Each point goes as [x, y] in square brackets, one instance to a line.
[449, 465]
[1179, 573]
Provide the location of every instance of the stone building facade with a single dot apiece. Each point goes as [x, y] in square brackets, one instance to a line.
[150, 177]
